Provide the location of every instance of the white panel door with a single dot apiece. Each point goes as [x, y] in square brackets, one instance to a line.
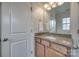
[16, 29]
[16, 48]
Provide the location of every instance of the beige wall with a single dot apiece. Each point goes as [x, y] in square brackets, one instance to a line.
[37, 15]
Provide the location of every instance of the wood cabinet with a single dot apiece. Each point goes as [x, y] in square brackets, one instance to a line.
[53, 53]
[59, 48]
[45, 48]
[39, 50]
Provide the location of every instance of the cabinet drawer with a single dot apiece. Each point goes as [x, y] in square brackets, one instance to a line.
[46, 43]
[39, 50]
[53, 53]
[59, 48]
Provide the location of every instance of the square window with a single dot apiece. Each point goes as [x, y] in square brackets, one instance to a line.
[66, 23]
[68, 26]
[68, 20]
[64, 26]
[64, 20]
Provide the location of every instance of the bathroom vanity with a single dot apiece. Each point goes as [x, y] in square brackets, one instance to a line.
[53, 45]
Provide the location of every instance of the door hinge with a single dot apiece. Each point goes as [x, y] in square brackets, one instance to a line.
[31, 52]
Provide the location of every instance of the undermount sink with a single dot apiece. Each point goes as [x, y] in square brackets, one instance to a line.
[65, 42]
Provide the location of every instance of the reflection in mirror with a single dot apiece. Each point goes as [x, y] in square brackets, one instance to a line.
[57, 19]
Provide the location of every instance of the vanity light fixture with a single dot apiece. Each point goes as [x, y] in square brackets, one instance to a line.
[47, 6]
[51, 5]
[60, 3]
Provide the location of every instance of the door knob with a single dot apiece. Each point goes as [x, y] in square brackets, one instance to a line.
[5, 39]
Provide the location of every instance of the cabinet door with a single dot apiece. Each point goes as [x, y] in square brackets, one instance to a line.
[39, 50]
[53, 53]
[59, 48]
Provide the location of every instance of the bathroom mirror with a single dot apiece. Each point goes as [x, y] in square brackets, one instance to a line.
[57, 19]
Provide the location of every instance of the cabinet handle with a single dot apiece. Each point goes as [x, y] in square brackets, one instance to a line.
[5, 39]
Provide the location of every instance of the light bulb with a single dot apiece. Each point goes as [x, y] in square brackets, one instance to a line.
[49, 8]
[46, 5]
[54, 5]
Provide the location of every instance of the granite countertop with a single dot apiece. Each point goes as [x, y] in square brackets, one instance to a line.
[59, 39]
